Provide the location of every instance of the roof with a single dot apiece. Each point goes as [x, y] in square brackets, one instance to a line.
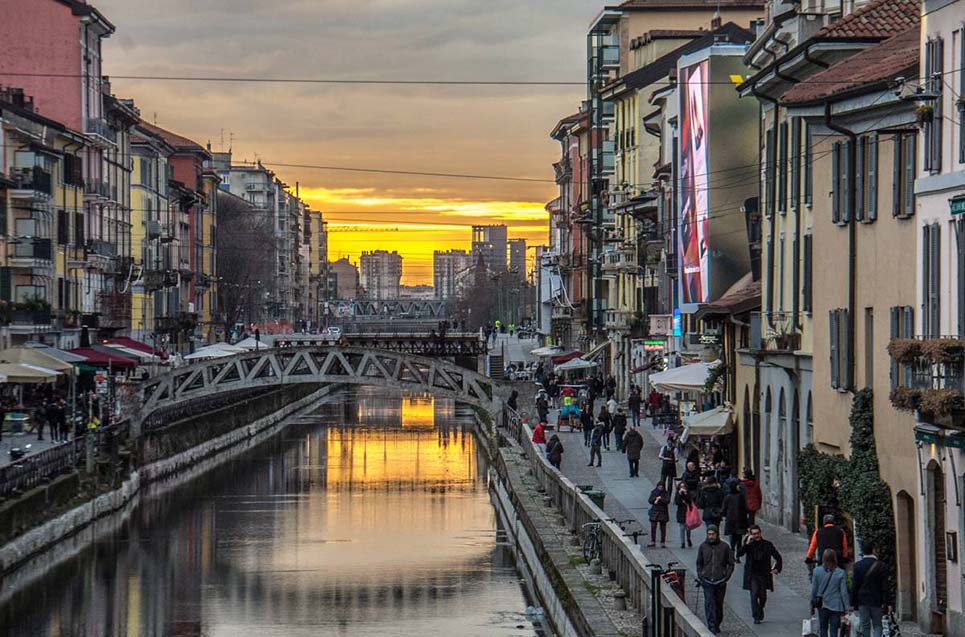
[646, 75]
[643, 5]
[878, 19]
[871, 69]
[742, 296]
[178, 142]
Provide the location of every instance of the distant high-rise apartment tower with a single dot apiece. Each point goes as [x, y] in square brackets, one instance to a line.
[490, 242]
[446, 265]
[381, 273]
[517, 257]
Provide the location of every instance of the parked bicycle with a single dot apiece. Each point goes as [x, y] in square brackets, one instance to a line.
[592, 541]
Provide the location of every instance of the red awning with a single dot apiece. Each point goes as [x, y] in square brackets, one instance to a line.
[130, 343]
[103, 359]
[562, 358]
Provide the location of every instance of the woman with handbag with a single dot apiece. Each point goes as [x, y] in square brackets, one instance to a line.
[829, 594]
[685, 503]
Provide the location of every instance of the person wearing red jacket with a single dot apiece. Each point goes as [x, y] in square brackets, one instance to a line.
[752, 492]
[539, 437]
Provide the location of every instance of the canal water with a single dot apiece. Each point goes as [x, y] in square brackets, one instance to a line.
[374, 519]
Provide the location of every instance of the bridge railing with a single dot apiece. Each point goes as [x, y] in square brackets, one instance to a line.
[619, 555]
[35, 469]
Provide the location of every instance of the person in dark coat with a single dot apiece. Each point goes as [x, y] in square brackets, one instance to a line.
[691, 477]
[586, 423]
[683, 499]
[554, 451]
[668, 459]
[633, 404]
[715, 565]
[633, 445]
[596, 441]
[607, 421]
[513, 399]
[870, 592]
[710, 500]
[752, 491]
[619, 427]
[762, 563]
[735, 515]
[542, 407]
[659, 514]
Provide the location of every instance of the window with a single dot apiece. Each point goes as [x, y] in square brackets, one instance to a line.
[866, 176]
[3, 211]
[780, 274]
[782, 169]
[902, 326]
[769, 273]
[808, 276]
[932, 127]
[903, 175]
[808, 168]
[73, 170]
[63, 228]
[766, 441]
[809, 422]
[931, 280]
[795, 162]
[960, 243]
[795, 281]
[769, 172]
[840, 195]
[78, 230]
[781, 426]
[840, 349]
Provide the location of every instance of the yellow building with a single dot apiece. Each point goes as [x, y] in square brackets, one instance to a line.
[206, 279]
[42, 212]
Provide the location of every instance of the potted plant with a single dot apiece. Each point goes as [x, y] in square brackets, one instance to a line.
[905, 398]
[905, 350]
[925, 114]
[943, 350]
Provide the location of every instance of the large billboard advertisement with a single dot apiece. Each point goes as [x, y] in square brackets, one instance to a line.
[718, 166]
[695, 268]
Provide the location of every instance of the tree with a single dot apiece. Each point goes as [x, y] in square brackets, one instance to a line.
[245, 252]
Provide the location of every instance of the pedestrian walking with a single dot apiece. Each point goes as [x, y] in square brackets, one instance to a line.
[829, 594]
[659, 514]
[542, 406]
[684, 500]
[691, 477]
[513, 401]
[735, 516]
[554, 451]
[539, 436]
[611, 387]
[596, 442]
[668, 458]
[604, 417]
[612, 405]
[619, 428]
[633, 445]
[762, 562]
[710, 500]
[586, 424]
[656, 400]
[829, 536]
[870, 591]
[633, 404]
[752, 491]
[715, 565]
[40, 417]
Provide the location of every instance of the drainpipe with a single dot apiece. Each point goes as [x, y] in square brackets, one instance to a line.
[852, 233]
[814, 61]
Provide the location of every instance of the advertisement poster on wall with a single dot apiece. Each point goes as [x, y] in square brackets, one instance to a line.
[694, 254]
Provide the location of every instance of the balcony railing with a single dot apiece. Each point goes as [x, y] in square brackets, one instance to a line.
[30, 317]
[100, 127]
[777, 332]
[97, 188]
[928, 376]
[101, 248]
[32, 249]
[36, 179]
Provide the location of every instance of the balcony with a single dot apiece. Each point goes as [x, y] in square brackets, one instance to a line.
[930, 379]
[561, 312]
[100, 128]
[28, 318]
[101, 248]
[618, 320]
[30, 183]
[30, 253]
[97, 189]
[620, 260]
[181, 322]
[777, 332]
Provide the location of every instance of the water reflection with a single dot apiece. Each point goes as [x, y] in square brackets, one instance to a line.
[375, 521]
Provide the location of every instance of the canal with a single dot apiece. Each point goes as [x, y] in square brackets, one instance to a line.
[371, 519]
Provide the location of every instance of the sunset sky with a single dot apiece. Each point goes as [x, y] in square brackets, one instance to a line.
[483, 130]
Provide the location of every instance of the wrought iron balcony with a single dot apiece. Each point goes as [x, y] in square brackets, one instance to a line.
[98, 189]
[929, 377]
[777, 333]
[100, 127]
[31, 253]
[31, 182]
[101, 248]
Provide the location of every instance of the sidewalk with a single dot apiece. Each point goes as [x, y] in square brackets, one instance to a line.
[627, 498]
[20, 440]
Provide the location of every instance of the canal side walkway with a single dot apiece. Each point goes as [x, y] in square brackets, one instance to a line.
[626, 499]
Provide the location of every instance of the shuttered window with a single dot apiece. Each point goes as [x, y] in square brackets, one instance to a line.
[769, 273]
[847, 149]
[860, 152]
[769, 172]
[782, 169]
[78, 229]
[908, 313]
[3, 211]
[780, 273]
[834, 349]
[808, 276]
[932, 128]
[931, 280]
[961, 104]
[796, 280]
[808, 168]
[871, 179]
[903, 175]
[960, 243]
[895, 316]
[836, 183]
[841, 350]
[63, 228]
[795, 163]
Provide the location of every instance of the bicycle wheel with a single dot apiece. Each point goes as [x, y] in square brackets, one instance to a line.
[590, 549]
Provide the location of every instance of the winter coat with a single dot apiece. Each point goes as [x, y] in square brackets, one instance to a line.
[620, 424]
[834, 593]
[633, 444]
[753, 492]
[715, 562]
[596, 438]
[710, 500]
[734, 513]
[683, 501]
[692, 480]
[554, 450]
[659, 505]
[539, 434]
[758, 562]
[870, 591]
[633, 401]
[668, 456]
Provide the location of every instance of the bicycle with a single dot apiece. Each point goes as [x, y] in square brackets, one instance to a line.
[675, 578]
[592, 541]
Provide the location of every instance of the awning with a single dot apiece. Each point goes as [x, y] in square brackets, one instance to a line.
[67, 357]
[713, 422]
[35, 357]
[642, 368]
[574, 364]
[547, 350]
[20, 373]
[129, 352]
[97, 358]
[691, 377]
[250, 343]
[218, 350]
[138, 346]
[596, 351]
[562, 358]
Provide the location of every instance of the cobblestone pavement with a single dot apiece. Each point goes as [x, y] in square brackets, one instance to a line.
[10, 441]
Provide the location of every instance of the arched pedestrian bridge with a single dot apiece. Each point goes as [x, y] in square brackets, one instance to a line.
[317, 365]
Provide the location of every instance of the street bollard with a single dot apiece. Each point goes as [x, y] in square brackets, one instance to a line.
[620, 600]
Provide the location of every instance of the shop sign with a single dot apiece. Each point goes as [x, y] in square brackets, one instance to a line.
[957, 206]
[677, 323]
[928, 437]
[653, 345]
[661, 324]
[955, 441]
[710, 338]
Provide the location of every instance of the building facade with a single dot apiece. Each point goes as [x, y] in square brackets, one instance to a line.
[380, 274]
[446, 267]
[491, 242]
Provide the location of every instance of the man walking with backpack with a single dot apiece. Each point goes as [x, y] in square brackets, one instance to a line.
[869, 590]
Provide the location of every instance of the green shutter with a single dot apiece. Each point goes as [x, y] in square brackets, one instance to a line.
[859, 185]
[836, 182]
[897, 172]
[911, 148]
[871, 207]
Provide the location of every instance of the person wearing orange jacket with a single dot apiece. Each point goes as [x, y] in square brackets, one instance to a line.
[829, 536]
